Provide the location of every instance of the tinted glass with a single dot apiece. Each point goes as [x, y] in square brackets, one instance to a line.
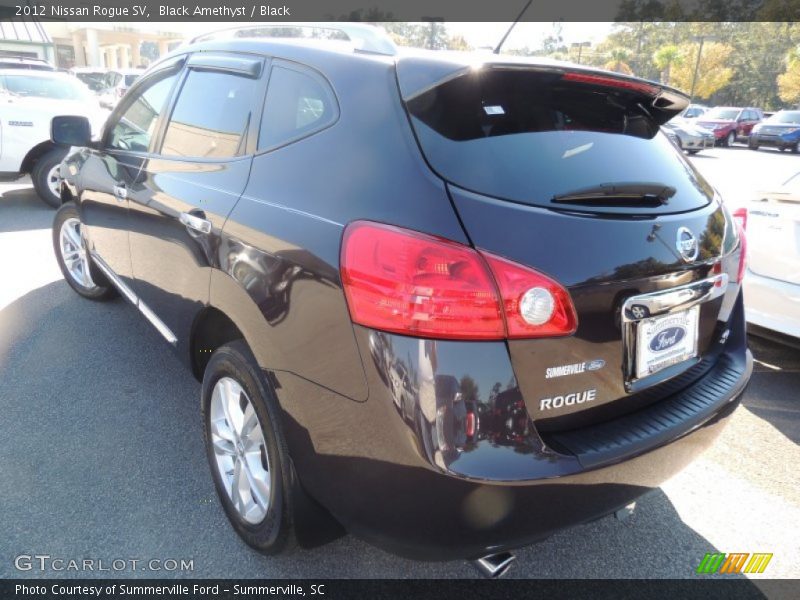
[136, 127]
[129, 79]
[297, 104]
[532, 137]
[56, 88]
[211, 116]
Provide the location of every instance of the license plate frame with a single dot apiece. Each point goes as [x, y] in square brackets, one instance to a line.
[666, 340]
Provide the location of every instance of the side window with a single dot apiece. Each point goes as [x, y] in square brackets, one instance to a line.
[297, 104]
[137, 125]
[211, 116]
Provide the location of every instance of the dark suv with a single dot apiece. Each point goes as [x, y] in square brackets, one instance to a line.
[451, 306]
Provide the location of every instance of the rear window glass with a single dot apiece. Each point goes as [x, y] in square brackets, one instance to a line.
[531, 137]
[298, 104]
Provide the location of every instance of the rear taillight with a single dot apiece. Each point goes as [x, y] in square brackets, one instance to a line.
[416, 284]
[740, 216]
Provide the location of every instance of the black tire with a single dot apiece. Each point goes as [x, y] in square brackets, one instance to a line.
[101, 289]
[41, 173]
[752, 144]
[794, 148]
[275, 532]
[693, 151]
[730, 139]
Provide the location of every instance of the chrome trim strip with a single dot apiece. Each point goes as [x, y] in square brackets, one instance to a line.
[654, 304]
[134, 299]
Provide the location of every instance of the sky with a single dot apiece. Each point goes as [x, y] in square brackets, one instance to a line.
[528, 34]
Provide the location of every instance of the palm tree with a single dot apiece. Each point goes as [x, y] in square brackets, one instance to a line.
[664, 58]
[618, 62]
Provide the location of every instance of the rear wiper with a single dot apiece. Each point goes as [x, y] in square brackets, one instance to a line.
[619, 194]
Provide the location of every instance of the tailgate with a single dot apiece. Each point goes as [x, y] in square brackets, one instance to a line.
[565, 171]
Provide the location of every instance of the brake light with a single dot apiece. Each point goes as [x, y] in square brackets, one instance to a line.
[610, 82]
[740, 216]
[416, 284]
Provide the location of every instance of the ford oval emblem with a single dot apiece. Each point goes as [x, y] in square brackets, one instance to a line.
[687, 244]
[595, 365]
[667, 338]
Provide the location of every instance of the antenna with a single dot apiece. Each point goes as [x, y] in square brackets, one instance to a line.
[514, 24]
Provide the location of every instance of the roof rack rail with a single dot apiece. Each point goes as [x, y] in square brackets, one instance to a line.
[365, 38]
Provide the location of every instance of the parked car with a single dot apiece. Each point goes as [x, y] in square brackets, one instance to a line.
[693, 111]
[781, 130]
[730, 124]
[31, 98]
[772, 283]
[115, 84]
[561, 285]
[690, 136]
[93, 77]
[25, 62]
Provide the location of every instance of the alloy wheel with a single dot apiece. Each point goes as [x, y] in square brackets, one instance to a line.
[240, 451]
[54, 180]
[74, 253]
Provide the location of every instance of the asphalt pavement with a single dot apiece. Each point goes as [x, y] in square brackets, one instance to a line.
[102, 456]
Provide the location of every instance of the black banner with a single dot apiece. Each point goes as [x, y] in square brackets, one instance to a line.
[409, 589]
[400, 10]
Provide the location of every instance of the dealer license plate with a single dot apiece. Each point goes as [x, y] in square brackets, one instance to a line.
[665, 341]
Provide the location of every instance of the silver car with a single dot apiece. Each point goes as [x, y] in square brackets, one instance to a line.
[689, 136]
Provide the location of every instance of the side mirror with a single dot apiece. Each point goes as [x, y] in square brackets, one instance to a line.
[71, 131]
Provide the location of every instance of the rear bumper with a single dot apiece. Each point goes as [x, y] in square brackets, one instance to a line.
[454, 468]
[772, 304]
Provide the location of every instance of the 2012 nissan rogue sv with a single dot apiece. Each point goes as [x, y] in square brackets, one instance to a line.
[450, 303]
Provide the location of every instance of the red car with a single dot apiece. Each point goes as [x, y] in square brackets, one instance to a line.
[730, 123]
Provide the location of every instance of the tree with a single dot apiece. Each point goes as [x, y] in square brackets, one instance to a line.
[618, 63]
[712, 72]
[789, 80]
[432, 35]
[664, 58]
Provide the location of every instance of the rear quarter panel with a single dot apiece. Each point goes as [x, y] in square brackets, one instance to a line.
[282, 241]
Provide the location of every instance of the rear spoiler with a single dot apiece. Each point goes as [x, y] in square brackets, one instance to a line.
[417, 75]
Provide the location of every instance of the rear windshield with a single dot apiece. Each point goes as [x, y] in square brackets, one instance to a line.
[129, 79]
[532, 137]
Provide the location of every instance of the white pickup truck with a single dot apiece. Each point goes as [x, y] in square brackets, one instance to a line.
[29, 100]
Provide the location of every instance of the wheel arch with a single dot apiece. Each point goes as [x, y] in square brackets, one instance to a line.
[34, 154]
[230, 314]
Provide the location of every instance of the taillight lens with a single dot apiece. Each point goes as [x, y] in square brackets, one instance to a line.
[740, 216]
[535, 305]
[416, 284]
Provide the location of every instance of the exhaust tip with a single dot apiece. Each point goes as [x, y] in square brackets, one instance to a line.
[494, 566]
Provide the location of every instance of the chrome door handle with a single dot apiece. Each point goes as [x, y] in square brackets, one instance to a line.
[194, 222]
[121, 192]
